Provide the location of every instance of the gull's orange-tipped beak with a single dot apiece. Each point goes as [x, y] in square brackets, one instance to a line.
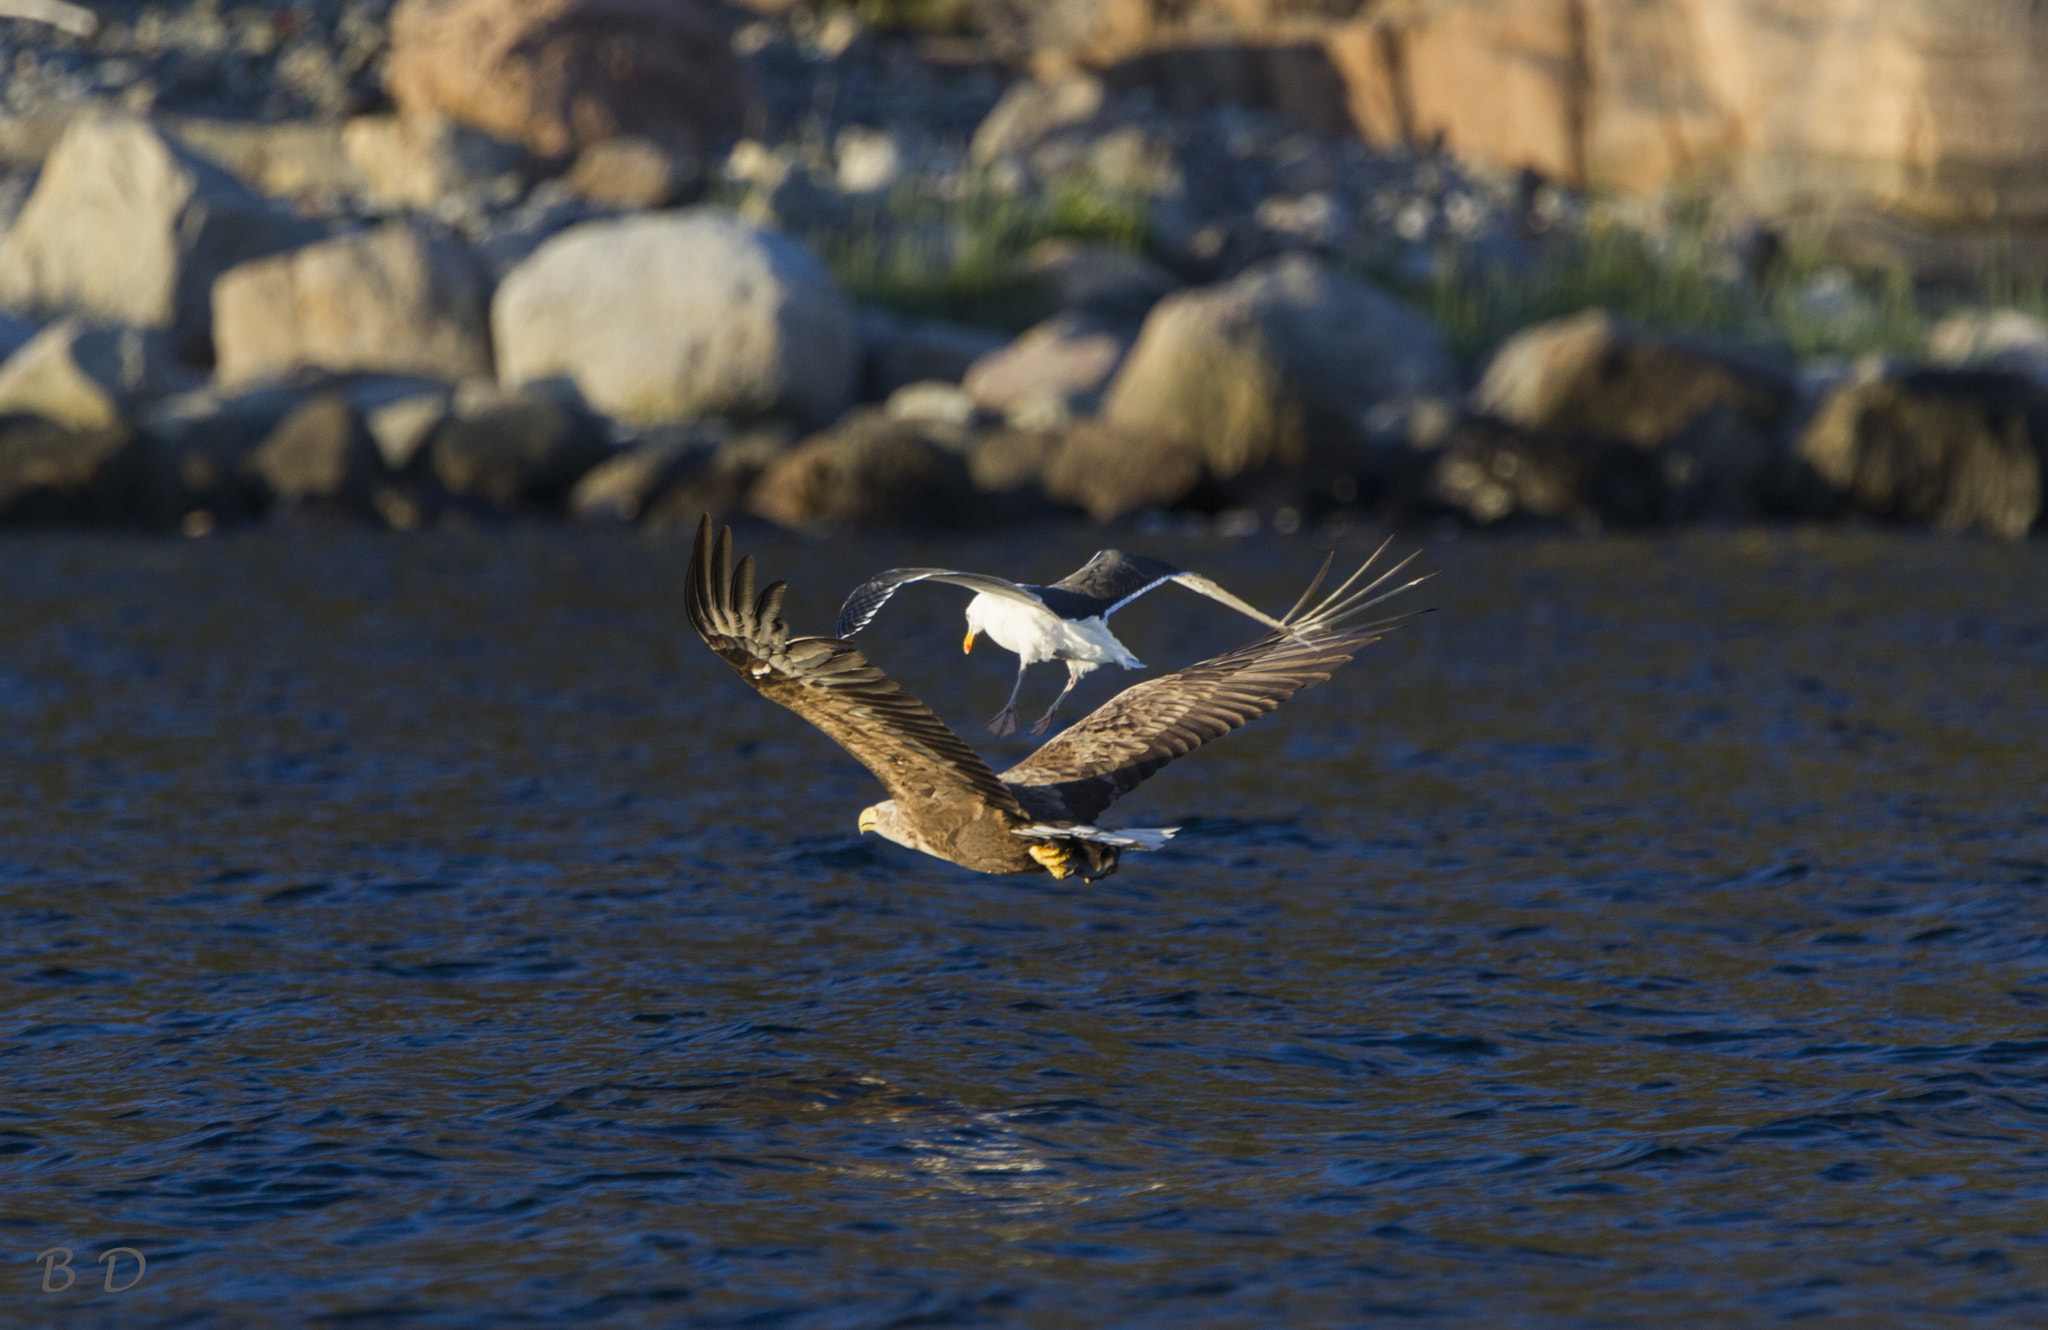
[968, 645]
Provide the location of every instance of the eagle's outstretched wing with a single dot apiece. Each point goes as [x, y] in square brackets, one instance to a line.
[869, 597]
[831, 685]
[1111, 751]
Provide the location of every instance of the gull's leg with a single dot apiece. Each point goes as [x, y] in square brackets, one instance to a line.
[1075, 669]
[1004, 722]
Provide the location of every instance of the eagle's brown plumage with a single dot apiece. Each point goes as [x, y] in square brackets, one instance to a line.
[944, 799]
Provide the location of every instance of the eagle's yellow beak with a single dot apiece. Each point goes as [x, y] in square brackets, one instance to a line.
[867, 820]
[968, 645]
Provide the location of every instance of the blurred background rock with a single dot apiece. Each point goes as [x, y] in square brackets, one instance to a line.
[938, 262]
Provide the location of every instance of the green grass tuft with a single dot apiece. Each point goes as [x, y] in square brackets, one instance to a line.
[1808, 302]
[963, 259]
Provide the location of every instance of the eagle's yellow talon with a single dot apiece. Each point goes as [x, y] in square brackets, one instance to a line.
[1053, 858]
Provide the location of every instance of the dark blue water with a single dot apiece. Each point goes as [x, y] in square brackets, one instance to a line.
[430, 932]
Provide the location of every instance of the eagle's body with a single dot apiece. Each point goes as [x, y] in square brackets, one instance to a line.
[1040, 814]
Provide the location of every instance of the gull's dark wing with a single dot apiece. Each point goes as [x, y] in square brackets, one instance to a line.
[1113, 579]
[869, 597]
[831, 685]
[1128, 738]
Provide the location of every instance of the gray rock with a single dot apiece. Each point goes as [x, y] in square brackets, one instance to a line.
[52, 474]
[1489, 472]
[906, 351]
[88, 376]
[634, 172]
[1714, 414]
[936, 405]
[417, 161]
[621, 489]
[393, 300]
[127, 226]
[1592, 374]
[515, 450]
[296, 160]
[678, 316]
[868, 160]
[320, 457]
[869, 471]
[1054, 372]
[1999, 339]
[1033, 113]
[1948, 448]
[1109, 473]
[196, 446]
[402, 417]
[1009, 467]
[1276, 369]
[720, 485]
[798, 201]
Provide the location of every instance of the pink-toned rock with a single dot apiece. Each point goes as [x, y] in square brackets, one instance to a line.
[1931, 111]
[1060, 366]
[560, 75]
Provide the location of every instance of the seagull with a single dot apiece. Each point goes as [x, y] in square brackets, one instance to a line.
[1040, 814]
[1065, 621]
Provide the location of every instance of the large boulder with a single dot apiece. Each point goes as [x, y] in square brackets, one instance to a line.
[1949, 448]
[393, 300]
[1593, 374]
[1276, 369]
[129, 227]
[86, 376]
[679, 315]
[1714, 416]
[560, 75]
[871, 471]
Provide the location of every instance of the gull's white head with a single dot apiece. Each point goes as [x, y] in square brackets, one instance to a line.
[1016, 626]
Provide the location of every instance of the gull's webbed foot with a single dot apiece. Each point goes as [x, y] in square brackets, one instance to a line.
[1003, 722]
[1044, 723]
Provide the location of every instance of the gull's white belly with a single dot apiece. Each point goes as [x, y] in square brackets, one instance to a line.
[1037, 635]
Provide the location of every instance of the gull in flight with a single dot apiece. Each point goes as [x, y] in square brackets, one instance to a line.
[1068, 620]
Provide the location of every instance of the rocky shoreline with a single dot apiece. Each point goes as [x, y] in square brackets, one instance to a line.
[619, 261]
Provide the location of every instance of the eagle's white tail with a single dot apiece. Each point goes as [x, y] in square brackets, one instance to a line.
[1128, 838]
